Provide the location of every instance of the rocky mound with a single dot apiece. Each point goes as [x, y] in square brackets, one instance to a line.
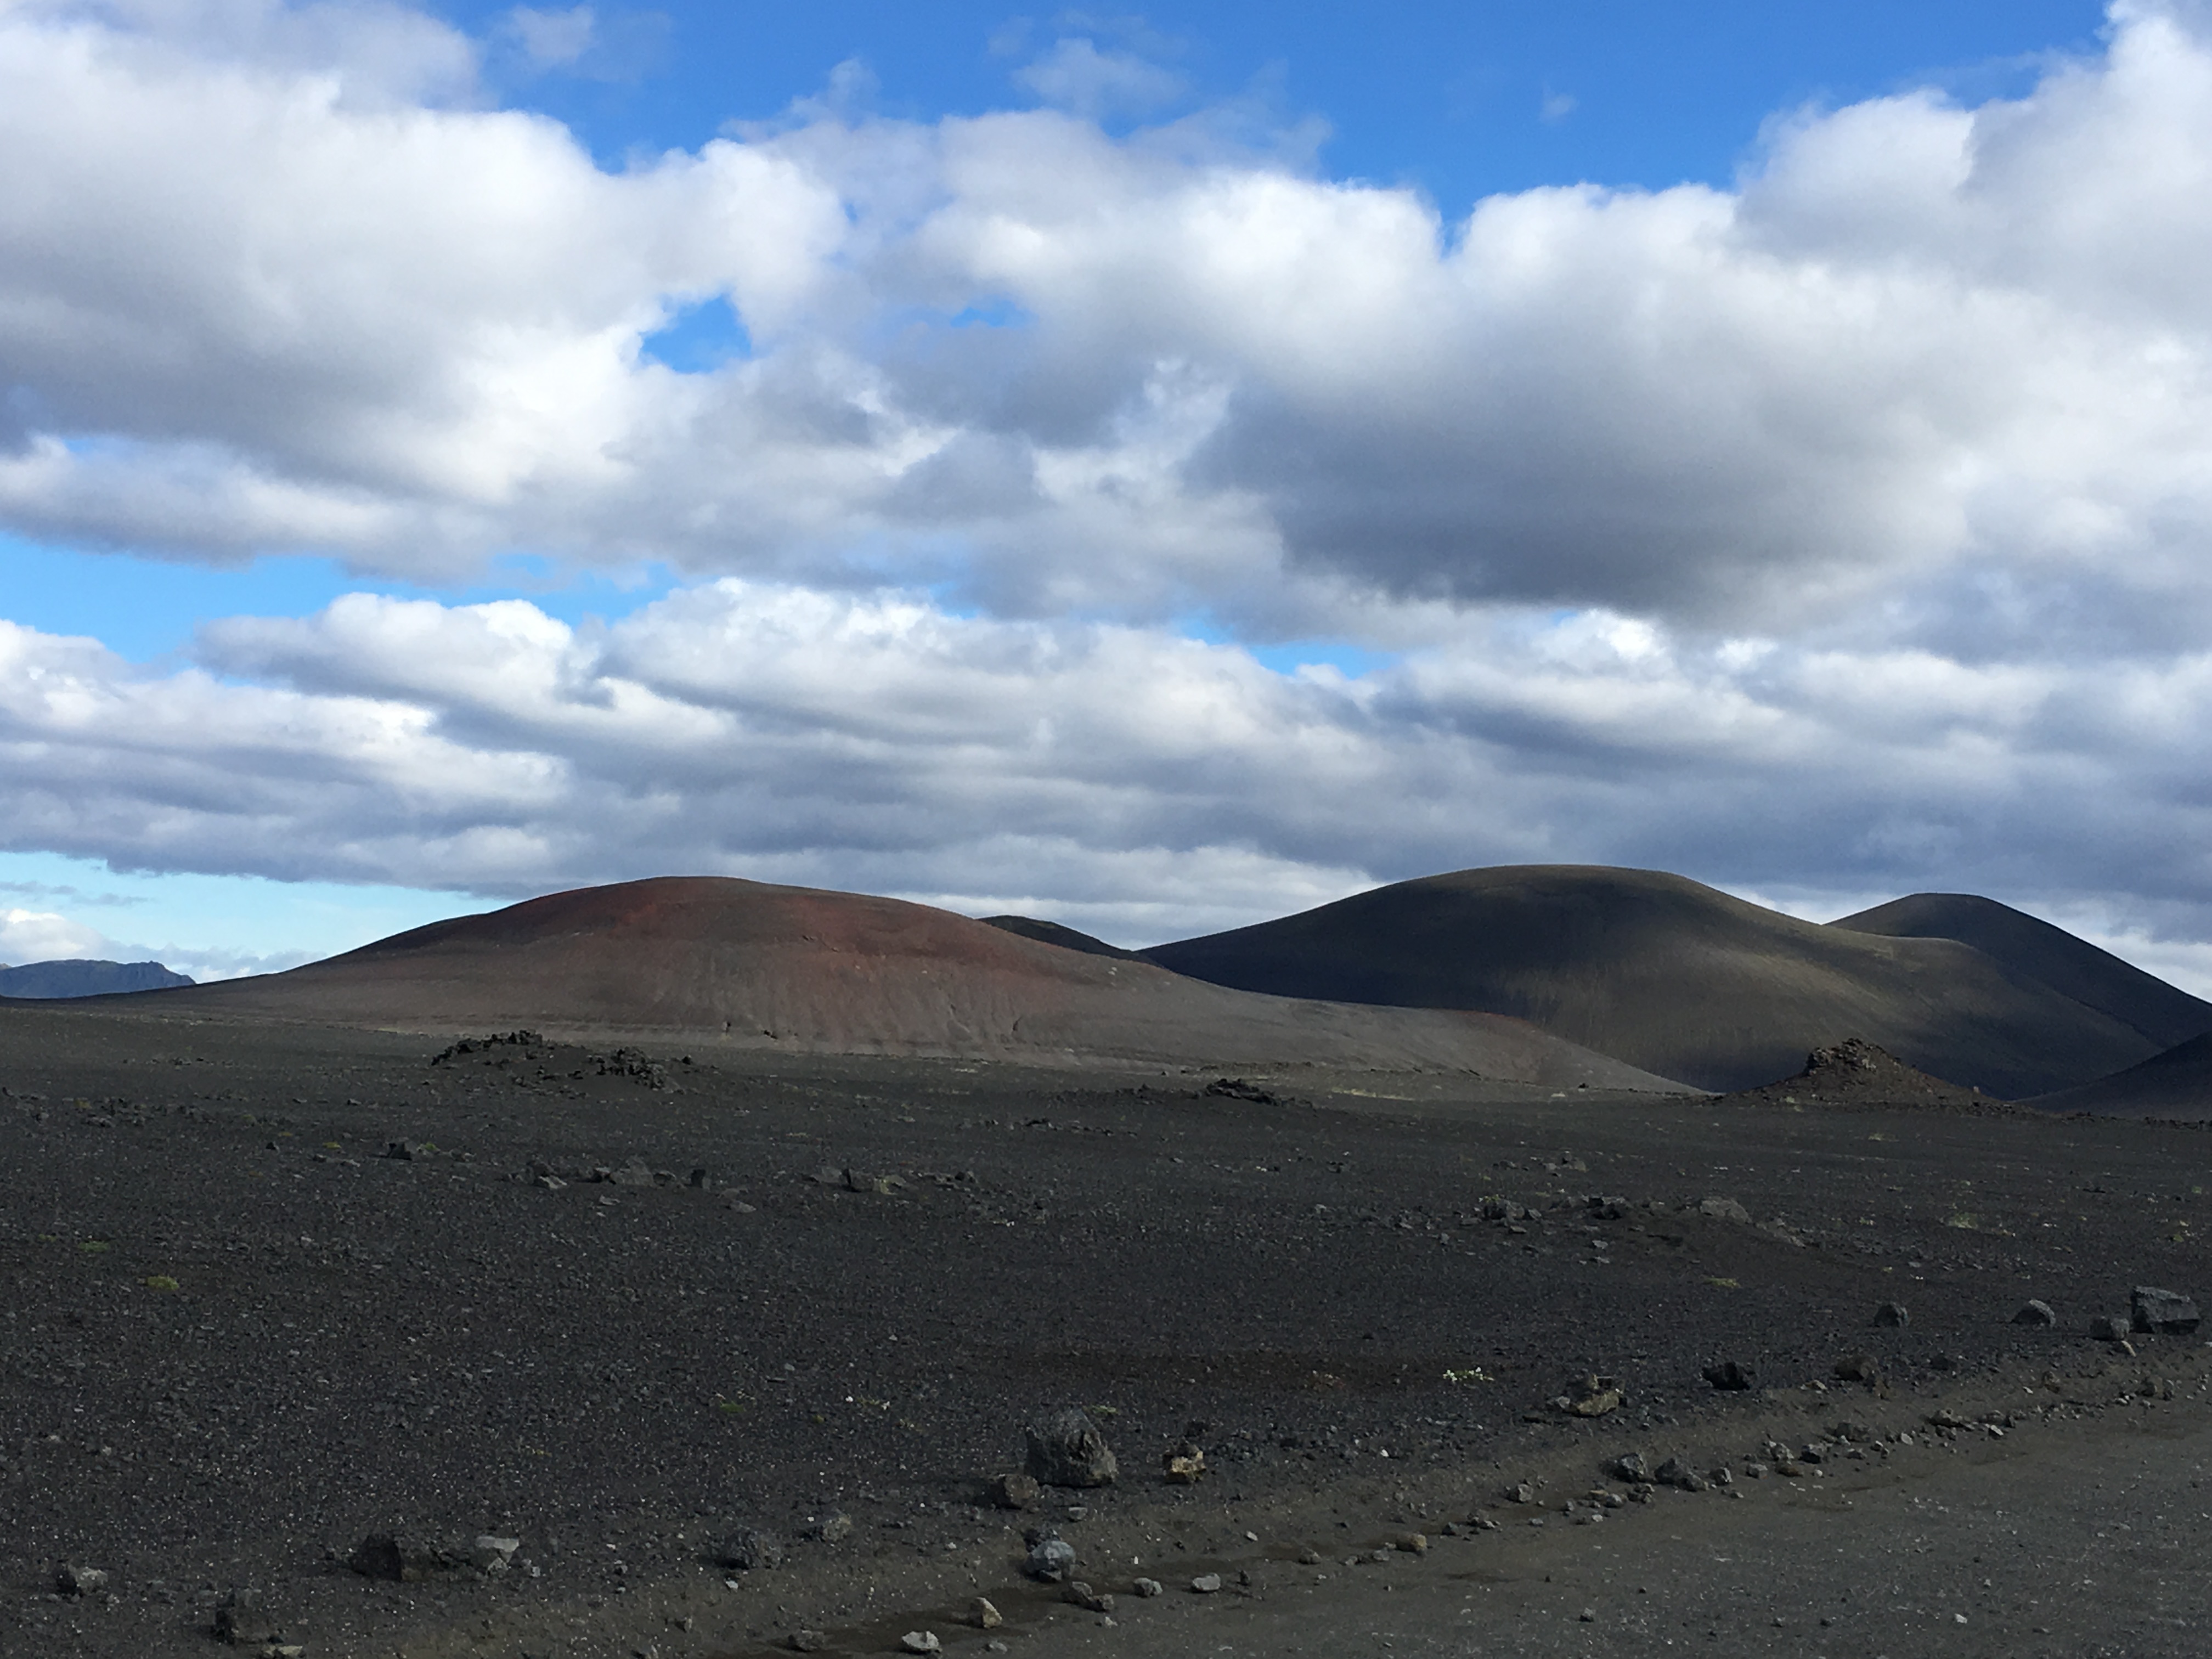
[809, 971]
[1671, 977]
[2033, 948]
[45, 980]
[1857, 1073]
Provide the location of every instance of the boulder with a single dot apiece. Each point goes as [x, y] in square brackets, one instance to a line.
[2163, 1313]
[2035, 1313]
[1066, 1450]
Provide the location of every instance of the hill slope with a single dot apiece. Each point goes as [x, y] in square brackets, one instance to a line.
[815, 971]
[2175, 1085]
[1671, 976]
[1054, 932]
[2165, 1014]
[45, 980]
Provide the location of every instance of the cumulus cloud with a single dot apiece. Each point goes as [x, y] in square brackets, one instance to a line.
[1841, 528]
[1127, 779]
[44, 936]
[1923, 350]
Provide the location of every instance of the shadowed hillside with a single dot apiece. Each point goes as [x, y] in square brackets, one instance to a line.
[1671, 977]
[44, 980]
[2165, 1014]
[813, 971]
[2176, 1085]
[1054, 932]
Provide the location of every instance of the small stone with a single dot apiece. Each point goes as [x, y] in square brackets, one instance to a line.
[835, 1529]
[1149, 1588]
[492, 1554]
[1859, 1368]
[808, 1641]
[404, 1152]
[1310, 1557]
[1050, 1557]
[1945, 1417]
[2162, 1313]
[752, 1550]
[1677, 1473]
[1411, 1543]
[2035, 1313]
[1207, 1583]
[1724, 1209]
[1078, 1594]
[1183, 1467]
[921, 1641]
[2106, 1327]
[242, 1620]
[994, 1645]
[1630, 1467]
[1587, 1616]
[1892, 1315]
[1015, 1492]
[1066, 1450]
[1524, 1494]
[1730, 1376]
[80, 1581]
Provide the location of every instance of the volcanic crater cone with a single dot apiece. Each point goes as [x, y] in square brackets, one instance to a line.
[1674, 977]
[809, 970]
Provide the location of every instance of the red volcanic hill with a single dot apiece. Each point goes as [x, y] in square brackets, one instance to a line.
[1675, 977]
[806, 970]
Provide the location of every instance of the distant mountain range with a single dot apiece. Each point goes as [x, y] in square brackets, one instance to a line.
[77, 978]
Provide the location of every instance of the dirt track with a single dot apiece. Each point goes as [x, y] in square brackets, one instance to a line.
[622, 1376]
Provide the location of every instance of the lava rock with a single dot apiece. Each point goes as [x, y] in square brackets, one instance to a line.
[809, 1641]
[1051, 1557]
[1066, 1450]
[752, 1550]
[984, 1615]
[1015, 1492]
[1076, 1593]
[1184, 1466]
[80, 1581]
[1207, 1583]
[834, 1528]
[1149, 1588]
[2035, 1313]
[1892, 1315]
[1730, 1376]
[2163, 1313]
[1632, 1468]
[242, 1620]
[2110, 1328]
[1677, 1473]
[403, 1559]
[1724, 1209]
[921, 1641]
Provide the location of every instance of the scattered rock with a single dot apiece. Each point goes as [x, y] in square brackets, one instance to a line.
[242, 1620]
[1591, 1396]
[492, 1554]
[834, 1528]
[2163, 1313]
[1206, 1584]
[1630, 1467]
[983, 1614]
[1411, 1543]
[1525, 1492]
[404, 1151]
[1050, 1556]
[752, 1550]
[2035, 1313]
[80, 1581]
[1677, 1473]
[1859, 1368]
[1015, 1492]
[1184, 1466]
[1731, 1376]
[808, 1641]
[1066, 1450]
[1724, 1209]
[1149, 1588]
[1236, 1088]
[2108, 1328]
[1892, 1316]
[1080, 1595]
[921, 1641]
[1945, 1417]
[404, 1559]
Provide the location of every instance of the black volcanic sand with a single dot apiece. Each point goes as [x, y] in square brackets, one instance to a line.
[623, 1377]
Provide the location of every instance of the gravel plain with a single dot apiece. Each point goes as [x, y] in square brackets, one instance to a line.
[239, 1337]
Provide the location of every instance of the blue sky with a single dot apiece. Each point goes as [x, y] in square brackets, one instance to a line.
[785, 454]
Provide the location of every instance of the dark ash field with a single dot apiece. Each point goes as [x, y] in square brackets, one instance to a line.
[240, 1338]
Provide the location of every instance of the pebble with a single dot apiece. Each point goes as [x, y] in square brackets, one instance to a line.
[1892, 1315]
[80, 1581]
[983, 1614]
[1149, 1588]
[1066, 1450]
[808, 1641]
[1206, 1584]
[921, 1641]
[2035, 1313]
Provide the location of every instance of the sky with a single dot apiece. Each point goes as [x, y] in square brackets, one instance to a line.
[1155, 472]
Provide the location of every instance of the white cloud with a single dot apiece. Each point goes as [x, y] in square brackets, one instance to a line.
[44, 936]
[1843, 528]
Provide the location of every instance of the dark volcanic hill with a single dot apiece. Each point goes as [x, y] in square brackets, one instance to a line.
[1671, 977]
[45, 980]
[2175, 1086]
[794, 967]
[2165, 1014]
[1054, 932]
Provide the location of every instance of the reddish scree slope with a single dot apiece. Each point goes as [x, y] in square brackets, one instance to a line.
[800, 969]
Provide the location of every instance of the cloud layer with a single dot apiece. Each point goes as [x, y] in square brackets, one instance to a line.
[1843, 530]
